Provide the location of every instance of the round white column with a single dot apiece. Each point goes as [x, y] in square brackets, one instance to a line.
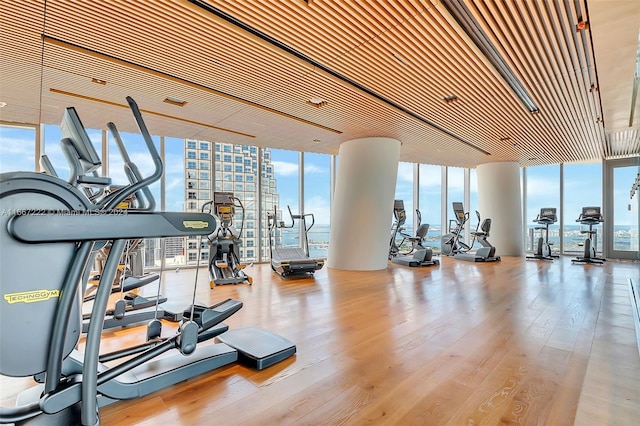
[362, 206]
[499, 198]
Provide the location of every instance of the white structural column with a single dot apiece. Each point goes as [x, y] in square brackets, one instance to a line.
[363, 204]
[499, 199]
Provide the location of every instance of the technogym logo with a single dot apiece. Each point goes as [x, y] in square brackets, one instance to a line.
[195, 224]
[31, 296]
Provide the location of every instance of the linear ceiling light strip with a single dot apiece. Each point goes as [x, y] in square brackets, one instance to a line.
[465, 19]
[246, 27]
[101, 55]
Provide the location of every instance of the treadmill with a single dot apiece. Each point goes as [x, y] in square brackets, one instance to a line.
[286, 261]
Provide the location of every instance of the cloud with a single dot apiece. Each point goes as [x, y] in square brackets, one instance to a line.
[17, 153]
[173, 164]
[174, 183]
[284, 168]
[320, 208]
[313, 168]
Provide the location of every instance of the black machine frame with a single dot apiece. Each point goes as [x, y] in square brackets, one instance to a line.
[225, 266]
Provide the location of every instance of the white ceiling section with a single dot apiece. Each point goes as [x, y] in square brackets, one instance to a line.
[246, 70]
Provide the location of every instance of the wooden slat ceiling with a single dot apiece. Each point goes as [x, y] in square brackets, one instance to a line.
[383, 67]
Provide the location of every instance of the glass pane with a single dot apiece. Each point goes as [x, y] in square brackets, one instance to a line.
[543, 190]
[404, 192]
[174, 174]
[625, 209]
[455, 191]
[284, 167]
[139, 155]
[245, 169]
[582, 188]
[18, 148]
[430, 196]
[473, 191]
[51, 136]
[317, 198]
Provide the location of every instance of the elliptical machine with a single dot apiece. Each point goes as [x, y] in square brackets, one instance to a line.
[546, 217]
[452, 246]
[52, 226]
[590, 216]
[451, 243]
[224, 243]
[417, 255]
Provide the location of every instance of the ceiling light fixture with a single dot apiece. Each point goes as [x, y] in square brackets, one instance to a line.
[3, 104]
[581, 25]
[450, 98]
[317, 102]
[175, 101]
[397, 58]
[98, 81]
[459, 11]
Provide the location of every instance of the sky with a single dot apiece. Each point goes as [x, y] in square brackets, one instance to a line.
[583, 182]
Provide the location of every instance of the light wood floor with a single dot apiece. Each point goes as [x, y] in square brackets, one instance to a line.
[513, 342]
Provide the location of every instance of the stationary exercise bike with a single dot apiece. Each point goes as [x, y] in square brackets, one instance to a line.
[546, 217]
[590, 216]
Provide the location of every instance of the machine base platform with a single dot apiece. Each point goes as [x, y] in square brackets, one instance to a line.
[258, 348]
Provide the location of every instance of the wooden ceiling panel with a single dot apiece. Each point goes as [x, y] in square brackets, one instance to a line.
[384, 69]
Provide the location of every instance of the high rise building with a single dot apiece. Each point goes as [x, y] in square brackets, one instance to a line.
[244, 170]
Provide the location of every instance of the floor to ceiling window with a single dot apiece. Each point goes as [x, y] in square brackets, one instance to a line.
[455, 193]
[582, 188]
[317, 201]
[18, 148]
[284, 170]
[174, 201]
[53, 150]
[543, 190]
[193, 173]
[430, 200]
[473, 199]
[622, 212]
[404, 192]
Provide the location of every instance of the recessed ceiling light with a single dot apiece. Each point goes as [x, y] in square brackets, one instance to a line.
[98, 81]
[3, 104]
[450, 98]
[175, 101]
[317, 102]
[397, 58]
